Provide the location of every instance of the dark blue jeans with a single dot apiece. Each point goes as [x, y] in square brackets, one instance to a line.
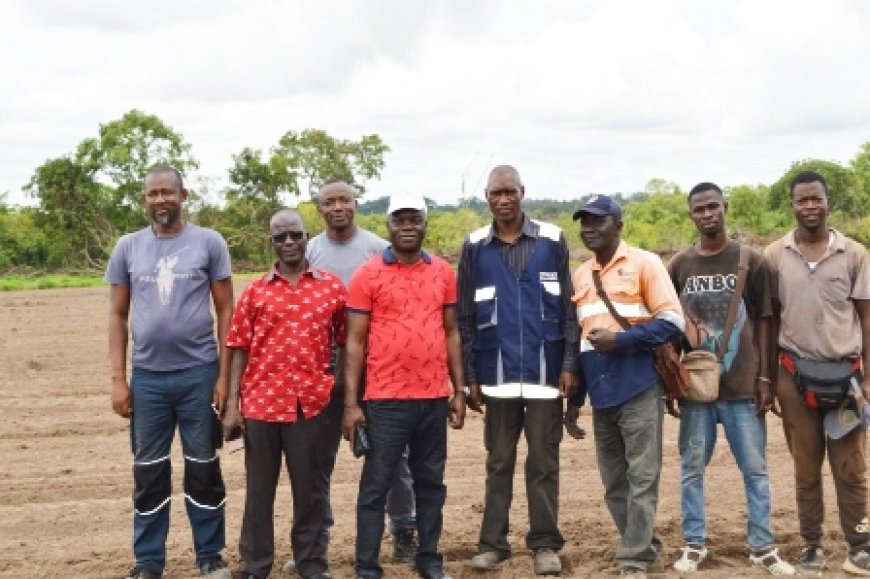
[393, 424]
[162, 400]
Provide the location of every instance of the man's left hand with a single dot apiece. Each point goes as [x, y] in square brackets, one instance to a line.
[572, 426]
[457, 410]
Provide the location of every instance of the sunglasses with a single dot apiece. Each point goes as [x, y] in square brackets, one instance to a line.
[280, 238]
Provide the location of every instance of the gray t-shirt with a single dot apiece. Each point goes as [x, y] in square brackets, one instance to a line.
[343, 259]
[170, 291]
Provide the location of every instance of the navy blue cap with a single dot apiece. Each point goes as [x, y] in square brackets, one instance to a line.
[599, 205]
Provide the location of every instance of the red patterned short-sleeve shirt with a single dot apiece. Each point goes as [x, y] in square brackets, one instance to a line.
[288, 331]
[407, 346]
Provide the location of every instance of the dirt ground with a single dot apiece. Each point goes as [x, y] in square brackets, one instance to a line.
[65, 474]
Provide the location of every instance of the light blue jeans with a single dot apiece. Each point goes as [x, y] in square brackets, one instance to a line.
[747, 436]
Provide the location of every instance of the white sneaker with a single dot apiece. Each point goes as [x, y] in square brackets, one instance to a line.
[690, 559]
[772, 563]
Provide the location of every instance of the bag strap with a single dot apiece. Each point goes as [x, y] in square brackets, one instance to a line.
[742, 270]
[603, 295]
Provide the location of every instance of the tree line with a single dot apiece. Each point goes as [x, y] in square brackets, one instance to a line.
[89, 197]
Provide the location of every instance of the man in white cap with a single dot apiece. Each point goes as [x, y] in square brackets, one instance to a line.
[401, 303]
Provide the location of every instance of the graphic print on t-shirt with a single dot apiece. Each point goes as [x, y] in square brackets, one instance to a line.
[166, 276]
[705, 300]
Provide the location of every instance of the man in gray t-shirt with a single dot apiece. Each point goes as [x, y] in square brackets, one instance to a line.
[169, 272]
[341, 249]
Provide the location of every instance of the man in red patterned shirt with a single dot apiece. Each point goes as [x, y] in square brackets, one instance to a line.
[402, 304]
[283, 327]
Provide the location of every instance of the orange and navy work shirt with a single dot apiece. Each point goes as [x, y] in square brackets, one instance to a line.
[641, 291]
[288, 331]
[407, 347]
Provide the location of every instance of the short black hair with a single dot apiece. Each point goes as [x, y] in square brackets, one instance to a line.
[704, 186]
[807, 177]
[167, 169]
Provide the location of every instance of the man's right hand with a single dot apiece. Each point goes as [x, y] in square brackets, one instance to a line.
[673, 407]
[353, 415]
[121, 397]
[475, 398]
[232, 420]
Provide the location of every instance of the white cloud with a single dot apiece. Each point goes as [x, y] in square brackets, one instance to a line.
[582, 96]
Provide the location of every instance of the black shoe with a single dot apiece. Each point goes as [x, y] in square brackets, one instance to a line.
[433, 573]
[812, 560]
[139, 572]
[404, 546]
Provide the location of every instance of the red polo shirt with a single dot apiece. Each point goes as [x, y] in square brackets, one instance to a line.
[288, 331]
[407, 347]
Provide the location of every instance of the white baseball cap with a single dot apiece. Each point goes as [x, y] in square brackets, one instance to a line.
[853, 413]
[399, 201]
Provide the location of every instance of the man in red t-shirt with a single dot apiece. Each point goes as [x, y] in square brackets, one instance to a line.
[282, 330]
[402, 304]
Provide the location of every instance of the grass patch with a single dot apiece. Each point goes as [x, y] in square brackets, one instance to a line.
[10, 283]
[19, 282]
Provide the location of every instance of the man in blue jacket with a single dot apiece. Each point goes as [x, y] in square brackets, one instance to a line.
[519, 339]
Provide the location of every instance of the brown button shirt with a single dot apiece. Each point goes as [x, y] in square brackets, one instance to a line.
[818, 318]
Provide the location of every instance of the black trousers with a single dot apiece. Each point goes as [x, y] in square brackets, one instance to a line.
[541, 420]
[391, 425]
[303, 445]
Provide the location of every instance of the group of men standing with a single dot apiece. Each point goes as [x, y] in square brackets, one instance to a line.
[350, 334]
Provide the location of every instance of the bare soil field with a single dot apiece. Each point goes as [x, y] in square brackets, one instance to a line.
[65, 475]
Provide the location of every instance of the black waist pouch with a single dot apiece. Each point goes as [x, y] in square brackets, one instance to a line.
[824, 385]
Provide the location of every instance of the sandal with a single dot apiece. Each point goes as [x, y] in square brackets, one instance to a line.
[772, 563]
[691, 558]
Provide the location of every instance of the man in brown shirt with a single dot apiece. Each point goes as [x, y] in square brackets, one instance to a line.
[821, 294]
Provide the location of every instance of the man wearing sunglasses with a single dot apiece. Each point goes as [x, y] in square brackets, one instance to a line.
[283, 330]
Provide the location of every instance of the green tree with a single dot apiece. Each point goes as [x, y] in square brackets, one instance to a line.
[860, 167]
[74, 211]
[260, 182]
[319, 156]
[254, 178]
[747, 215]
[121, 156]
[845, 191]
[87, 198]
[445, 231]
[659, 223]
[22, 243]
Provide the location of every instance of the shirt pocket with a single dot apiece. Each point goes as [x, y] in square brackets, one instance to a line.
[837, 289]
[486, 307]
[551, 301]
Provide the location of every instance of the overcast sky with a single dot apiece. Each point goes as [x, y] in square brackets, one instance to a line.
[581, 96]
